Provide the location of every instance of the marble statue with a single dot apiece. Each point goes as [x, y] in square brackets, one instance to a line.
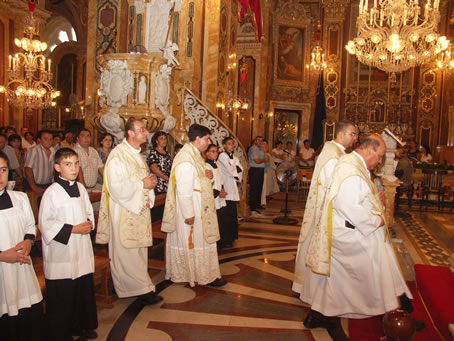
[142, 90]
[117, 82]
[169, 53]
[391, 142]
[162, 94]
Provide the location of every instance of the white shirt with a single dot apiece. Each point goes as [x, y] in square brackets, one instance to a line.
[90, 163]
[306, 154]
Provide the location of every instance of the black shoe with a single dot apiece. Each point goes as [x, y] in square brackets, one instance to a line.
[150, 298]
[89, 334]
[217, 283]
[228, 245]
[419, 325]
[314, 319]
[337, 333]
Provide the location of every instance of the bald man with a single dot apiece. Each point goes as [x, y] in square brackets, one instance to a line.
[351, 248]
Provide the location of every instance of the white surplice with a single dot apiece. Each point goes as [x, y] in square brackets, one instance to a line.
[230, 175]
[74, 259]
[19, 287]
[198, 265]
[129, 266]
[218, 184]
[365, 279]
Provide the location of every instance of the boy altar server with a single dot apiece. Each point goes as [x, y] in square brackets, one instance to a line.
[21, 309]
[66, 220]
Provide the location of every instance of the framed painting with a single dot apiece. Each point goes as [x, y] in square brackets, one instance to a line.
[291, 52]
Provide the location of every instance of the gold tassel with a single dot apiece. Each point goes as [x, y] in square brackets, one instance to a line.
[191, 244]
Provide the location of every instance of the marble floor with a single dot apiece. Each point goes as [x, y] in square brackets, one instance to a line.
[257, 303]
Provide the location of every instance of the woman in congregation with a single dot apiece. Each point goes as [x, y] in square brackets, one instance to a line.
[270, 185]
[105, 147]
[278, 153]
[28, 141]
[21, 308]
[426, 156]
[160, 161]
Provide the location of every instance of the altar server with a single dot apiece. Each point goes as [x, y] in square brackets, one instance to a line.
[65, 221]
[21, 309]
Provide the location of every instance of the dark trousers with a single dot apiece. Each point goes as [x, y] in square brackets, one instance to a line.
[70, 307]
[232, 219]
[224, 231]
[255, 187]
[26, 326]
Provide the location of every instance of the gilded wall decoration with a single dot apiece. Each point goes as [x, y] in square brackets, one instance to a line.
[289, 94]
[106, 29]
[334, 42]
[223, 42]
[428, 91]
[425, 133]
[190, 29]
[331, 89]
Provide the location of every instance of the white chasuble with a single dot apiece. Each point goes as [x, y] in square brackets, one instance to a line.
[364, 277]
[184, 264]
[126, 221]
[19, 287]
[74, 259]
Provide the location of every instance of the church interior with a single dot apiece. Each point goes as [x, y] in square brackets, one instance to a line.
[286, 70]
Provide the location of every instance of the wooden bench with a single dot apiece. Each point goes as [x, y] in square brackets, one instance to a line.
[156, 229]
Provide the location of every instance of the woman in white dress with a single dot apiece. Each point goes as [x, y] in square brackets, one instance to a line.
[270, 185]
[278, 153]
[21, 309]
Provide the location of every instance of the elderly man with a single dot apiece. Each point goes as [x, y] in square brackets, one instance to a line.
[90, 162]
[190, 216]
[124, 216]
[351, 247]
[305, 281]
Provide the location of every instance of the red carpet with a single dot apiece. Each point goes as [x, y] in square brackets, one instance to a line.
[371, 329]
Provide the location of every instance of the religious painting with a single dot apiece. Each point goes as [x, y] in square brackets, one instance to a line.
[377, 113]
[290, 53]
[286, 123]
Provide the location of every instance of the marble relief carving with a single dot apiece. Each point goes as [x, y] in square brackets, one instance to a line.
[117, 82]
[162, 96]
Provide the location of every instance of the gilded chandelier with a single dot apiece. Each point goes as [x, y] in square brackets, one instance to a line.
[395, 35]
[29, 74]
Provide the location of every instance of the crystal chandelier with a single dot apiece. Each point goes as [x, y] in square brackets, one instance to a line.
[395, 35]
[28, 73]
[445, 59]
[318, 62]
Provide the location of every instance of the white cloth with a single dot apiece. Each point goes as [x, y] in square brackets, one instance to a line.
[129, 266]
[19, 287]
[270, 185]
[365, 279]
[74, 259]
[218, 184]
[90, 163]
[198, 265]
[289, 155]
[306, 154]
[229, 173]
[310, 281]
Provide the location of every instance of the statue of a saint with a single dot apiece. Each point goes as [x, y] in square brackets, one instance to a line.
[142, 90]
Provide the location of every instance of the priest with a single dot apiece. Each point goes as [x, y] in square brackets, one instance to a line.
[190, 216]
[350, 247]
[124, 216]
[305, 281]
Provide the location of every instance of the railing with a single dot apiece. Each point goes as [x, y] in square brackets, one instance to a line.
[196, 112]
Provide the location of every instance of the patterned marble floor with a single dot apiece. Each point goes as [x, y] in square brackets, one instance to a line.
[257, 303]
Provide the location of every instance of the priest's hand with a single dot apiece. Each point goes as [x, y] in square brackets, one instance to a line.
[189, 221]
[14, 255]
[209, 174]
[83, 228]
[150, 181]
[25, 246]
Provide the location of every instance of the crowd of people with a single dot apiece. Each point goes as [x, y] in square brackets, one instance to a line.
[345, 266]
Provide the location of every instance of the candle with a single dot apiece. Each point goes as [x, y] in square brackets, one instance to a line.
[392, 20]
[381, 17]
[371, 16]
[405, 17]
[14, 63]
[9, 62]
[48, 64]
[365, 4]
[361, 6]
[375, 3]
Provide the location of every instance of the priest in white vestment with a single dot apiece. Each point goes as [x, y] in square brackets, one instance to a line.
[190, 216]
[305, 281]
[350, 247]
[125, 218]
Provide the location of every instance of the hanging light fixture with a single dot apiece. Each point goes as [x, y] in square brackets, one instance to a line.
[318, 62]
[29, 72]
[445, 59]
[395, 35]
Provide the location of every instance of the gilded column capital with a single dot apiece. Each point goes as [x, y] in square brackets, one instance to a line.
[335, 9]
